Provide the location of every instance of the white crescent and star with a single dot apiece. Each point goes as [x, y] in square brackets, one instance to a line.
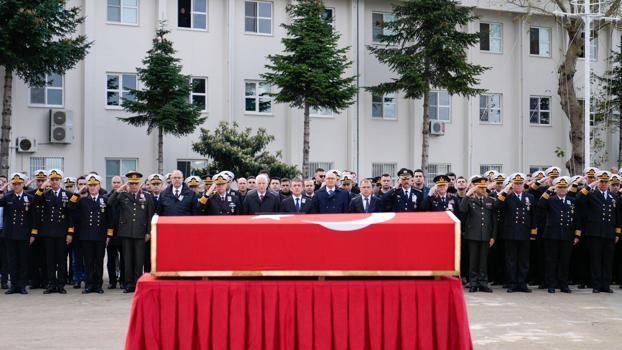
[352, 225]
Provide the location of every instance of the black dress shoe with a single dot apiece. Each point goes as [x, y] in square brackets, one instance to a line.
[61, 290]
[127, 290]
[485, 289]
[595, 290]
[49, 290]
[524, 289]
[606, 290]
[566, 290]
[472, 289]
[23, 290]
[87, 291]
[112, 286]
[11, 290]
[512, 290]
[551, 290]
[99, 291]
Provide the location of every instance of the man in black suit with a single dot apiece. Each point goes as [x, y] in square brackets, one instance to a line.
[366, 202]
[261, 201]
[297, 203]
[178, 199]
[330, 199]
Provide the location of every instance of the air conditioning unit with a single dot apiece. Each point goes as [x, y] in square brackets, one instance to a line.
[437, 127]
[61, 126]
[26, 145]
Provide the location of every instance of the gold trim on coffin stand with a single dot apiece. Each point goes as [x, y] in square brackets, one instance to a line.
[305, 273]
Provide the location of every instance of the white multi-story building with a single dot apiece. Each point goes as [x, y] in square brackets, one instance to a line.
[517, 125]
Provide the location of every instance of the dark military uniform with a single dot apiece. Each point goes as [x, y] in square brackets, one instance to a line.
[19, 225]
[602, 225]
[449, 202]
[229, 204]
[93, 218]
[37, 264]
[53, 230]
[135, 213]
[400, 200]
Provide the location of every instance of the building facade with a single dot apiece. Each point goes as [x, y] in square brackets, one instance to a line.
[517, 124]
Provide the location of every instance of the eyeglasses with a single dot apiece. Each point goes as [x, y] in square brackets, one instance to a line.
[321, 176]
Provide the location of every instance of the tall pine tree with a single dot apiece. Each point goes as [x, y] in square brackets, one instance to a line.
[424, 47]
[36, 38]
[309, 74]
[164, 103]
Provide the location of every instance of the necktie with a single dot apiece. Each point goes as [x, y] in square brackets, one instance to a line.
[367, 205]
[330, 192]
[298, 204]
[222, 198]
[261, 198]
[176, 193]
[94, 200]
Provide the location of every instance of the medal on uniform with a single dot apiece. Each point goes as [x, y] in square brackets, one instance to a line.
[229, 199]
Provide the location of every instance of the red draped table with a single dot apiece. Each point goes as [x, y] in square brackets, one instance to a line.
[285, 314]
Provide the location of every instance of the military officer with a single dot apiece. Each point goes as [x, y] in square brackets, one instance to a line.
[19, 231]
[136, 209]
[402, 199]
[560, 233]
[218, 201]
[438, 198]
[602, 230]
[53, 229]
[480, 231]
[194, 184]
[346, 184]
[519, 225]
[93, 217]
[37, 265]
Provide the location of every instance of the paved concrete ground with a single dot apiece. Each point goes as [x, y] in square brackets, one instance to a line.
[498, 321]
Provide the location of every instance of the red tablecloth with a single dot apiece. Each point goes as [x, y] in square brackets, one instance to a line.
[261, 314]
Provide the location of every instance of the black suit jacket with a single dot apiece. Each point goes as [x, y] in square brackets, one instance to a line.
[356, 205]
[271, 203]
[289, 206]
[187, 203]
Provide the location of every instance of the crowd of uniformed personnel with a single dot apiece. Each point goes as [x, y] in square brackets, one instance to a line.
[542, 229]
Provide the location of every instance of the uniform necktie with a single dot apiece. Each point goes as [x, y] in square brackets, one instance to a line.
[367, 205]
[297, 204]
[222, 198]
[94, 200]
[176, 193]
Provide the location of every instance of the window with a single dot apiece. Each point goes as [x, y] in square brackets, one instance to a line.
[258, 17]
[321, 112]
[593, 46]
[540, 110]
[192, 14]
[329, 16]
[540, 41]
[50, 94]
[191, 167]
[491, 37]
[534, 168]
[377, 169]
[440, 106]
[123, 11]
[118, 167]
[378, 30]
[256, 98]
[490, 108]
[118, 88]
[37, 163]
[198, 95]
[592, 110]
[383, 106]
[485, 167]
[435, 169]
[314, 165]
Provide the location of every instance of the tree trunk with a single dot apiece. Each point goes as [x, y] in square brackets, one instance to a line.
[425, 132]
[5, 136]
[306, 146]
[161, 152]
[568, 97]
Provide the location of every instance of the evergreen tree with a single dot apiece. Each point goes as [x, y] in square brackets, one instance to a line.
[612, 85]
[425, 48]
[241, 152]
[164, 103]
[309, 72]
[37, 37]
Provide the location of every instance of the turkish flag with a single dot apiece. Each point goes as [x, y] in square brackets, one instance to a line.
[344, 244]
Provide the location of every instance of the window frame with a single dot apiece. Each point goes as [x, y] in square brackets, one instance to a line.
[386, 168]
[593, 50]
[490, 23]
[314, 113]
[190, 161]
[257, 97]
[550, 33]
[540, 97]
[45, 88]
[205, 94]
[384, 19]
[332, 22]
[321, 164]
[256, 32]
[120, 22]
[500, 109]
[439, 106]
[121, 170]
[191, 14]
[485, 167]
[42, 163]
[120, 90]
[383, 103]
[431, 175]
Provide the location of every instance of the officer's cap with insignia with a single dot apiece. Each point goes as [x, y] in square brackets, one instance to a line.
[17, 178]
[620, 171]
[228, 175]
[55, 174]
[93, 179]
[193, 181]
[220, 178]
[479, 181]
[69, 180]
[575, 178]
[615, 179]
[208, 180]
[405, 173]
[538, 175]
[40, 174]
[562, 182]
[517, 178]
[133, 177]
[490, 174]
[473, 177]
[590, 171]
[155, 179]
[603, 175]
[346, 178]
[336, 172]
[552, 172]
[441, 180]
[167, 176]
[499, 178]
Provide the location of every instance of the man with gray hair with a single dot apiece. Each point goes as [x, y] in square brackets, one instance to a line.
[261, 201]
[178, 199]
